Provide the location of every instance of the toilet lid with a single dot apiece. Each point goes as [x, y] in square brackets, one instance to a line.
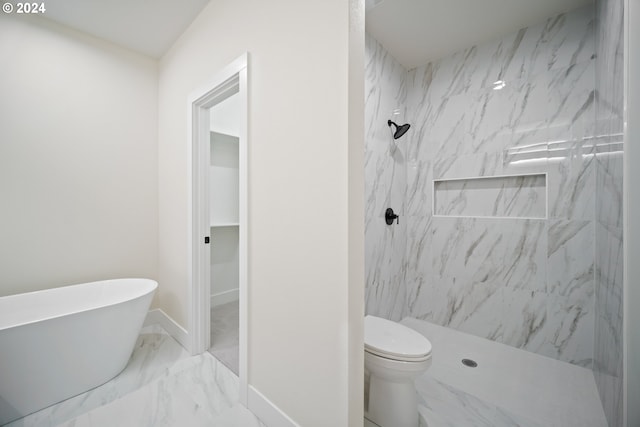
[394, 341]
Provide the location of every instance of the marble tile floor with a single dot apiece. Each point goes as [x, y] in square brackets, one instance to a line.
[509, 387]
[161, 386]
[225, 328]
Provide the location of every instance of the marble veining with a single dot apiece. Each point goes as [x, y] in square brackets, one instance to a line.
[155, 352]
[509, 387]
[445, 406]
[513, 196]
[200, 393]
[225, 334]
[609, 107]
[526, 281]
[570, 265]
[161, 386]
[552, 285]
[385, 183]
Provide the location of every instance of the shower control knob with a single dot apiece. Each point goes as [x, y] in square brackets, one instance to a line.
[389, 216]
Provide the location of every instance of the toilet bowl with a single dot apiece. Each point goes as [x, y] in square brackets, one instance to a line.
[394, 356]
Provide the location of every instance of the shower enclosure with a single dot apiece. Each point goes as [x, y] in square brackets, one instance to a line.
[510, 185]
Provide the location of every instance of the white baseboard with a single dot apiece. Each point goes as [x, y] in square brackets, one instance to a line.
[157, 316]
[268, 413]
[225, 297]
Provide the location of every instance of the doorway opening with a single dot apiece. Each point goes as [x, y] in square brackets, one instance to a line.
[218, 218]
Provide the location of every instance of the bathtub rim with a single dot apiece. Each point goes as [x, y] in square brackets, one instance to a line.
[144, 287]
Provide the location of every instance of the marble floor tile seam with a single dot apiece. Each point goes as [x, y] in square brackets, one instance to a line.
[552, 415]
[442, 405]
[154, 356]
[238, 416]
[190, 395]
[136, 409]
[150, 367]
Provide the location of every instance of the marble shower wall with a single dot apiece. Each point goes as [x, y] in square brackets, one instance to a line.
[608, 237]
[528, 280]
[385, 183]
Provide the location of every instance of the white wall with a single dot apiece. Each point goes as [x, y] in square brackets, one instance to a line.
[305, 160]
[78, 158]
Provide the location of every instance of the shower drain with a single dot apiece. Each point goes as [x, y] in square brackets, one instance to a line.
[470, 363]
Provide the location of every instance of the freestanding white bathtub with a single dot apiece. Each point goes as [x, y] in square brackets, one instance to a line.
[58, 343]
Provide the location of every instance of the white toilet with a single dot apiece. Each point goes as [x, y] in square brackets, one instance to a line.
[394, 356]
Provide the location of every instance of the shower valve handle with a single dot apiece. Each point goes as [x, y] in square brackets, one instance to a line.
[389, 216]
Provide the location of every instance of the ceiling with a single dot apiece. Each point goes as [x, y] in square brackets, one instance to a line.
[413, 31]
[146, 26]
[418, 31]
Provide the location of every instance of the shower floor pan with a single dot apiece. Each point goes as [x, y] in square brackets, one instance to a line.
[508, 387]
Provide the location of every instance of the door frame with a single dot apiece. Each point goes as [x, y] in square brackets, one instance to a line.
[230, 80]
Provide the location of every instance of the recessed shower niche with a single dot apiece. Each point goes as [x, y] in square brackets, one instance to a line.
[505, 196]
